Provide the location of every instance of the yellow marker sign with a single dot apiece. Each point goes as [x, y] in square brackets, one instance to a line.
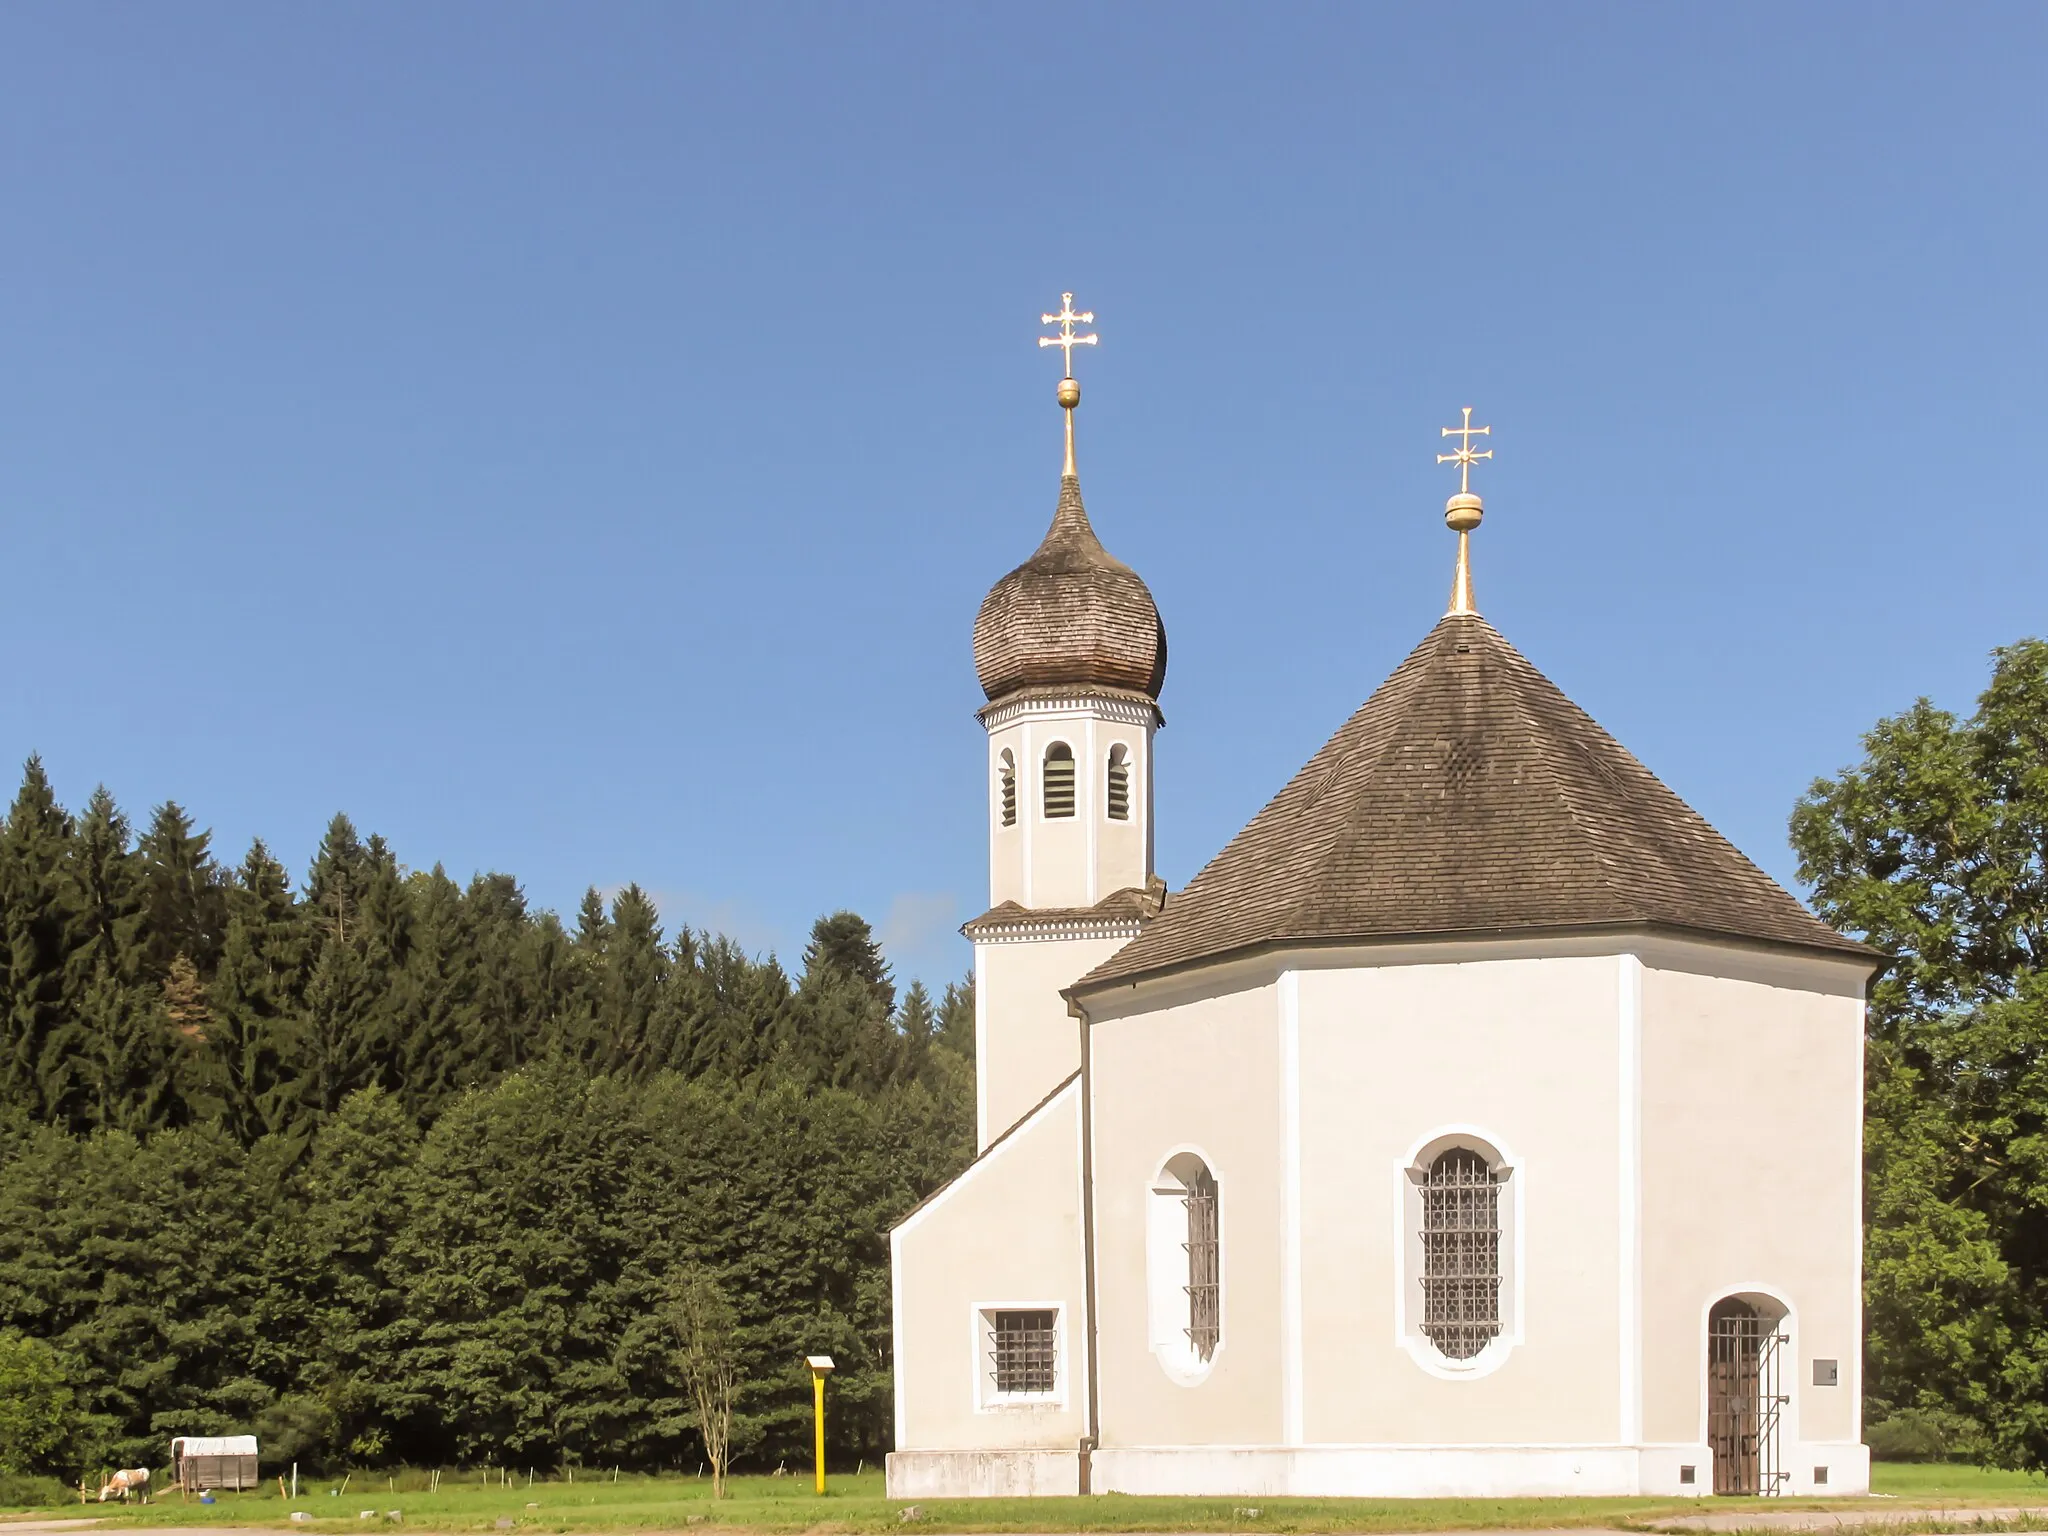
[821, 1367]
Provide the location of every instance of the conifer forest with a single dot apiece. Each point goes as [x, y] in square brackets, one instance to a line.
[387, 1168]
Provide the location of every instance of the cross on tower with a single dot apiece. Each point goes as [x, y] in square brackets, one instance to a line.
[1463, 456]
[1066, 320]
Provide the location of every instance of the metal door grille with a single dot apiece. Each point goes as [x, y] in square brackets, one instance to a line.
[1023, 1351]
[1205, 1313]
[1744, 1403]
[1460, 1254]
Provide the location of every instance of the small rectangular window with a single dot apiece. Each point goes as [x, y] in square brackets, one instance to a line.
[1827, 1373]
[1820, 1477]
[1688, 1474]
[1023, 1351]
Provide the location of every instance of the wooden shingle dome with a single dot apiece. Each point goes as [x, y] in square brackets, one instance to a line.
[1073, 615]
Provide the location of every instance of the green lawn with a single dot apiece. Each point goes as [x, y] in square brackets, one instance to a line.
[1935, 1479]
[855, 1504]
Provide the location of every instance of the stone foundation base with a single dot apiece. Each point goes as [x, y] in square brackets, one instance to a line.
[982, 1474]
[1358, 1471]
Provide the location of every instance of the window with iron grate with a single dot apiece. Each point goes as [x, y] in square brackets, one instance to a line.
[1023, 1352]
[1205, 1254]
[1461, 1279]
[1119, 790]
[1059, 780]
[1184, 1266]
[1006, 789]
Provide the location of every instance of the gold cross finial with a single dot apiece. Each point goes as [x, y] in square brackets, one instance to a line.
[1066, 341]
[1464, 510]
[1066, 320]
[1463, 456]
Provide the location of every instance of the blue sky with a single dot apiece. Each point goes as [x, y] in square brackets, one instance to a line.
[574, 440]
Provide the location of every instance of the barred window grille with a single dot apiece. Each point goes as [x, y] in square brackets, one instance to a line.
[1205, 1295]
[1009, 790]
[1023, 1351]
[1460, 1254]
[1119, 796]
[1059, 780]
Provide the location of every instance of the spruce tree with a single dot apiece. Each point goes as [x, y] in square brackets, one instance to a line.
[956, 1018]
[185, 894]
[434, 998]
[38, 932]
[916, 1027]
[844, 942]
[634, 971]
[255, 997]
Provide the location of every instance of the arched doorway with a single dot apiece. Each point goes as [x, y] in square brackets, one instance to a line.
[1744, 1403]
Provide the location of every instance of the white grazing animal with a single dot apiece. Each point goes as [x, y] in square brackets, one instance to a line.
[134, 1480]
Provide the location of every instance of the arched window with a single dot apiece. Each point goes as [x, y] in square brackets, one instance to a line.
[1184, 1256]
[1059, 780]
[1119, 796]
[1460, 1253]
[1007, 786]
[1745, 1335]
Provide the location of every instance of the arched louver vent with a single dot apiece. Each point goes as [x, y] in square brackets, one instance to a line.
[1119, 796]
[1059, 780]
[1008, 789]
[1460, 1254]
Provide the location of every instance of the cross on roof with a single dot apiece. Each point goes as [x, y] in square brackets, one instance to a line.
[1463, 456]
[1066, 341]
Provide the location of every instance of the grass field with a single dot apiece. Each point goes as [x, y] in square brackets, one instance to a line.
[856, 1504]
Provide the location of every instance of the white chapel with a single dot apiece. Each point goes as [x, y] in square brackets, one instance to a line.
[1477, 1122]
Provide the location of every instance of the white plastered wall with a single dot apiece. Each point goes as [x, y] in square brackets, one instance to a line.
[1519, 1056]
[1069, 861]
[1752, 1180]
[1007, 1233]
[1026, 1042]
[1203, 1077]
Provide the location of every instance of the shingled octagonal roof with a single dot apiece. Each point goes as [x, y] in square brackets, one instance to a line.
[1073, 614]
[1467, 797]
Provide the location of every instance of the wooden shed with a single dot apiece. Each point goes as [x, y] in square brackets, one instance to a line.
[213, 1461]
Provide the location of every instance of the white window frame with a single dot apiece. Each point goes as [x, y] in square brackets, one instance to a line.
[1512, 1175]
[982, 1317]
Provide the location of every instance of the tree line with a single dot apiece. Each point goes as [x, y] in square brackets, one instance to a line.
[385, 1167]
[1934, 847]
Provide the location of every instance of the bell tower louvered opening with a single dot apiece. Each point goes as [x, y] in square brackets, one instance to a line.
[1006, 788]
[1059, 781]
[1118, 796]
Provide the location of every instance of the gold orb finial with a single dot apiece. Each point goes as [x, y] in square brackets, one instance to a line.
[1462, 513]
[1066, 341]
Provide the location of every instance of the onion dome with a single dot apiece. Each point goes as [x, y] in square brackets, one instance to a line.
[1073, 615]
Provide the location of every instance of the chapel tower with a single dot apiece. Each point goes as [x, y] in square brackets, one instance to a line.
[1071, 655]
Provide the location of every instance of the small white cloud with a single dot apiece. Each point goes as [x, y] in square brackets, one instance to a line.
[920, 936]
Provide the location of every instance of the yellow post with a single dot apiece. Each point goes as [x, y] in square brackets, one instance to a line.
[821, 1367]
